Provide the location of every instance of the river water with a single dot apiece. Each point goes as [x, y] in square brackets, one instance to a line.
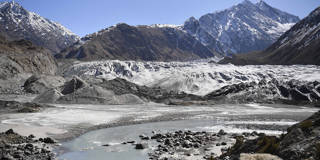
[269, 119]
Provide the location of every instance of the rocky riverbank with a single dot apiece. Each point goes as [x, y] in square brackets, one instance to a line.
[14, 146]
[300, 142]
[190, 145]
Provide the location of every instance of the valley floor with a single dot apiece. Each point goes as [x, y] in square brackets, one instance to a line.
[67, 122]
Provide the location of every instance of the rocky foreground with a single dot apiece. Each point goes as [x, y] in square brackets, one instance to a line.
[14, 146]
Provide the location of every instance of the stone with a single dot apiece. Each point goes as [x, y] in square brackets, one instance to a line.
[131, 142]
[222, 132]
[141, 146]
[144, 137]
[167, 142]
[31, 136]
[10, 131]
[48, 140]
[186, 144]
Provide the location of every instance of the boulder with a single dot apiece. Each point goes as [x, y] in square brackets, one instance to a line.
[10, 131]
[48, 140]
[141, 146]
[222, 132]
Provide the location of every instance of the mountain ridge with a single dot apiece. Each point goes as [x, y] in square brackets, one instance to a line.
[242, 28]
[18, 23]
[148, 43]
[299, 45]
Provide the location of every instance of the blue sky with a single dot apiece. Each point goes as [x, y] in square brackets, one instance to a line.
[88, 16]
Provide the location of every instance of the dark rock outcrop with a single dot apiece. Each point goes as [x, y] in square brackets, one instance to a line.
[300, 142]
[141, 146]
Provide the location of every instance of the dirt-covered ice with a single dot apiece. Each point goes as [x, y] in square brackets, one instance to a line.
[198, 78]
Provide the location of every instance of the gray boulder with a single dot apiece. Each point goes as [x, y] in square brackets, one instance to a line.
[141, 146]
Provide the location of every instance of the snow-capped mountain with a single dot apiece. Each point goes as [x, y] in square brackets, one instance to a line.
[18, 23]
[299, 45]
[242, 28]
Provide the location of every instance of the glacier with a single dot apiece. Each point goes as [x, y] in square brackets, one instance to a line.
[195, 77]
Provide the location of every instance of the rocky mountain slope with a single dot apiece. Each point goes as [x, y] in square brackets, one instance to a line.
[299, 45]
[149, 43]
[242, 28]
[17, 23]
[19, 58]
[24, 57]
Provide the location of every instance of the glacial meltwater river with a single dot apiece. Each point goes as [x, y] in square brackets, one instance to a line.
[269, 119]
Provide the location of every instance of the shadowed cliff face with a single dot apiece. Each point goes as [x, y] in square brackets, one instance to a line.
[299, 45]
[147, 43]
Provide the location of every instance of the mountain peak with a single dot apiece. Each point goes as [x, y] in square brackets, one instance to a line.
[245, 27]
[191, 19]
[19, 23]
[246, 2]
[12, 7]
[263, 5]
